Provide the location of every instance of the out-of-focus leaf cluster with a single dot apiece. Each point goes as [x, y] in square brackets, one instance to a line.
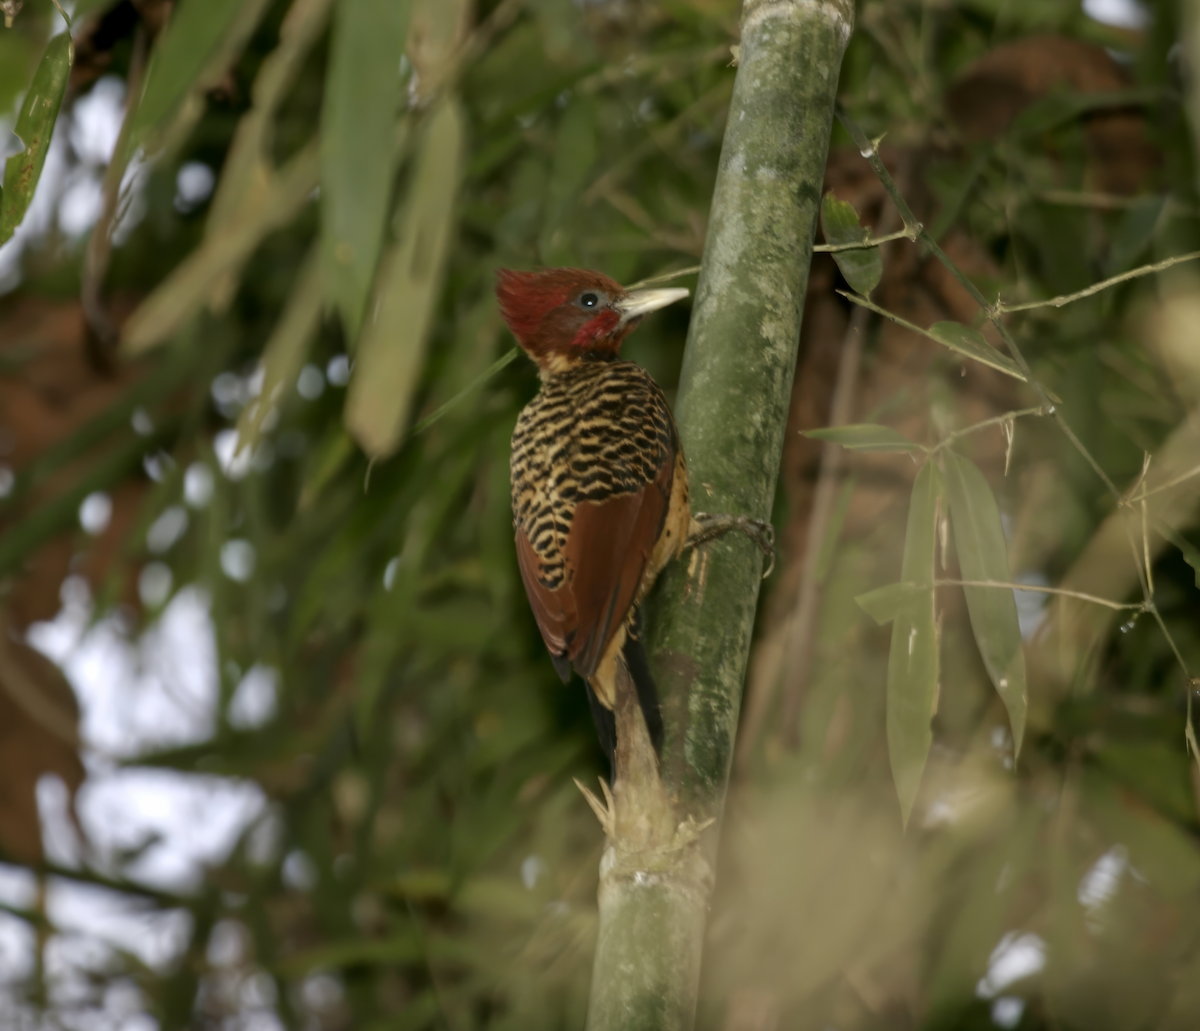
[424, 860]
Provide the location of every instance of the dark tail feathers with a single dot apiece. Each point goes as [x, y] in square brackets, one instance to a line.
[643, 680]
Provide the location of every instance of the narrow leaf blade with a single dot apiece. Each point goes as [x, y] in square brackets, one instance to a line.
[971, 343]
[362, 99]
[912, 681]
[864, 437]
[863, 268]
[286, 349]
[35, 126]
[883, 603]
[199, 32]
[982, 556]
[392, 347]
[574, 155]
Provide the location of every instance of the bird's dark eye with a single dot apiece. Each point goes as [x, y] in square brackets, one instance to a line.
[589, 300]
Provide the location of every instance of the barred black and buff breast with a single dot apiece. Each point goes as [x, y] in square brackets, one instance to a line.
[596, 431]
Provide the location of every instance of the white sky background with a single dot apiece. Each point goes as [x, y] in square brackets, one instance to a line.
[162, 690]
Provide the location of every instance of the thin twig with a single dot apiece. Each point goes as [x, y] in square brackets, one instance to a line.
[1146, 459]
[862, 245]
[865, 302]
[1000, 308]
[1189, 730]
[1171, 641]
[1168, 485]
[477, 382]
[1062, 592]
[975, 427]
[665, 277]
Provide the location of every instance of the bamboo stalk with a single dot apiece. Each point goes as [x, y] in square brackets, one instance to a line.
[732, 410]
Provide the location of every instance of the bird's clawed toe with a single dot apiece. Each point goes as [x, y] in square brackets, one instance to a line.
[709, 526]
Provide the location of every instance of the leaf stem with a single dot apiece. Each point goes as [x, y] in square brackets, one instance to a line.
[665, 277]
[1000, 308]
[1166, 486]
[864, 302]
[1139, 606]
[475, 384]
[974, 427]
[862, 245]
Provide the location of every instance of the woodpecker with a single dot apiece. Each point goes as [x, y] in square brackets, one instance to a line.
[599, 482]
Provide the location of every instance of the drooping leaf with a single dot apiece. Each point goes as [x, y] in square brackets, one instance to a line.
[983, 556]
[574, 156]
[1133, 234]
[864, 437]
[191, 283]
[362, 98]
[952, 184]
[1063, 105]
[971, 343]
[912, 679]
[286, 349]
[1191, 554]
[35, 126]
[202, 38]
[862, 267]
[392, 348]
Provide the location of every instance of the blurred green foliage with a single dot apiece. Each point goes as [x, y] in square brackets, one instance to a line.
[419, 764]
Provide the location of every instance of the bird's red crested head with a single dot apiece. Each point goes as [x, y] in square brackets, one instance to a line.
[563, 315]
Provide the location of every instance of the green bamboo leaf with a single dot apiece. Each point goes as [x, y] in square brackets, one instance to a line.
[971, 343]
[201, 39]
[883, 603]
[35, 126]
[362, 98]
[862, 268]
[982, 556]
[286, 349]
[912, 680]
[864, 437]
[392, 348]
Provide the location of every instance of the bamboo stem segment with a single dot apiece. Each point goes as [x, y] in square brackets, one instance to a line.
[732, 410]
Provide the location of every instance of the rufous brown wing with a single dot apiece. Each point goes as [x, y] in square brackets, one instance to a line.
[607, 552]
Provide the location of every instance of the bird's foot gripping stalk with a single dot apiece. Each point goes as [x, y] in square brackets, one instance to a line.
[708, 526]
